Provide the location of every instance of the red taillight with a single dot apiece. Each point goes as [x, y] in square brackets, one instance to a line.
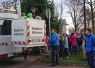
[29, 40]
[3, 56]
[43, 40]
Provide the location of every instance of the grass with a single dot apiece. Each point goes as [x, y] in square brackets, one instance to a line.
[72, 60]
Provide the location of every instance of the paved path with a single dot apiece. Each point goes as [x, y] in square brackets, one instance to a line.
[21, 63]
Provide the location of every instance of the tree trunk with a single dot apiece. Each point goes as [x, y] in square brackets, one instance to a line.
[75, 20]
[92, 17]
[84, 17]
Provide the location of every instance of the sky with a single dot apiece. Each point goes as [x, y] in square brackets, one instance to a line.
[65, 14]
[65, 10]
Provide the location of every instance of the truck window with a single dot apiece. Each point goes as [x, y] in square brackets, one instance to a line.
[6, 27]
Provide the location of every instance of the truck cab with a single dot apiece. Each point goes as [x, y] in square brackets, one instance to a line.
[6, 47]
[9, 10]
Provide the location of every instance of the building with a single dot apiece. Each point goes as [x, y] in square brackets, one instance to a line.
[65, 27]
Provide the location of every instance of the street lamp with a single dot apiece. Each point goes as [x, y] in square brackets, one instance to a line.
[48, 15]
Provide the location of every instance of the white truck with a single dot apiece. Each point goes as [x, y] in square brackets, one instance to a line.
[15, 32]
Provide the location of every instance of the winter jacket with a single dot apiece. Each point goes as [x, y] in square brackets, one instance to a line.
[66, 42]
[47, 42]
[90, 43]
[54, 40]
[73, 40]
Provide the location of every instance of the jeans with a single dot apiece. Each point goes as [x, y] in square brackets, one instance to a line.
[73, 49]
[91, 59]
[55, 55]
[61, 51]
[66, 51]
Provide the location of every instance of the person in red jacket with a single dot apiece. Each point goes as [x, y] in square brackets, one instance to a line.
[47, 41]
[73, 43]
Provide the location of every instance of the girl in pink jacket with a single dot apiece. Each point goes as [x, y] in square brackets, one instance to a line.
[73, 43]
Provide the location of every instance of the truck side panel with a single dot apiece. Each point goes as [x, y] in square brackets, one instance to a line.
[18, 32]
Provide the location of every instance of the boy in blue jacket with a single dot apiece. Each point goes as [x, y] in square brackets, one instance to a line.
[90, 48]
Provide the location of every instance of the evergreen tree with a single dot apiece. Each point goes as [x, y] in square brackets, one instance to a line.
[54, 16]
[41, 6]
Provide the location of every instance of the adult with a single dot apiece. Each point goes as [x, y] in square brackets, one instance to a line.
[73, 43]
[54, 43]
[66, 45]
[90, 48]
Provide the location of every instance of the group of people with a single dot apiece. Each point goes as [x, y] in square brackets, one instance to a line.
[70, 44]
[62, 45]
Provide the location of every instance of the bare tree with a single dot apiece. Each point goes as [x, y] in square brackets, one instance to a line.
[92, 9]
[62, 8]
[76, 13]
[60, 13]
[88, 16]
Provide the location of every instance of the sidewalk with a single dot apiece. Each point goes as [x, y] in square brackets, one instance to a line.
[31, 63]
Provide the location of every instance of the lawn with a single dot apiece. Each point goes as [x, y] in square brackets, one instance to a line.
[71, 60]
